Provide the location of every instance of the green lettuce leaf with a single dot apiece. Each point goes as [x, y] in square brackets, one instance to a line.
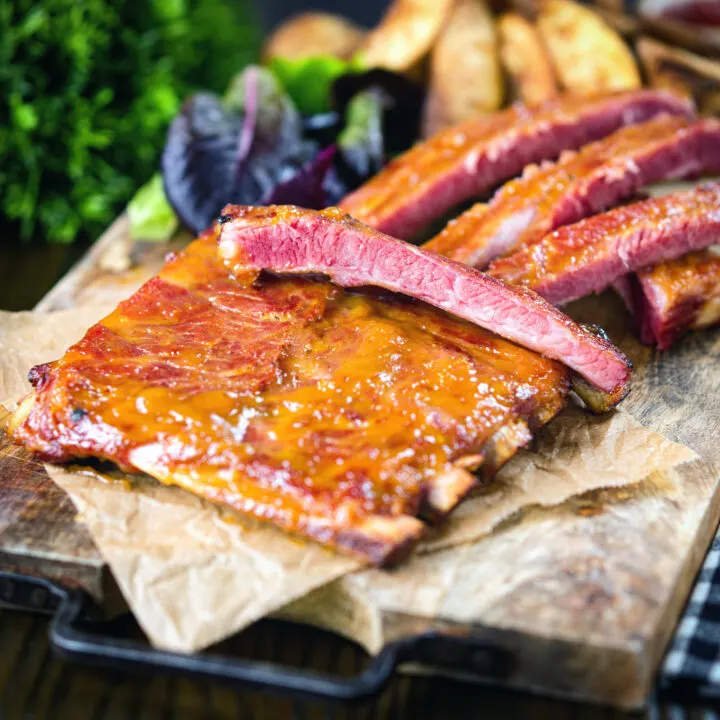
[308, 80]
[150, 214]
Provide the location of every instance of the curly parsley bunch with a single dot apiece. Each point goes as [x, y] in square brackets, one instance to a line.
[87, 89]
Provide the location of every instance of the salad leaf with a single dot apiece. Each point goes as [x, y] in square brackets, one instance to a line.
[200, 160]
[254, 147]
[272, 147]
[308, 81]
[361, 142]
[235, 151]
[322, 127]
[306, 188]
[402, 104]
[151, 217]
[360, 146]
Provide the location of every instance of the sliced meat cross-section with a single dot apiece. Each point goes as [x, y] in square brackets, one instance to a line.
[285, 239]
[677, 296]
[591, 255]
[469, 160]
[581, 184]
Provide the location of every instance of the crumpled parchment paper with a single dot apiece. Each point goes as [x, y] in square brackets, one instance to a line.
[194, 573]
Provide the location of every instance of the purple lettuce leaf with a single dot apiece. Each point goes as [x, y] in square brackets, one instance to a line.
[273, 149]
[200, 159]
[234, 151]
[403, 101]
[252, 146]
[307, 188]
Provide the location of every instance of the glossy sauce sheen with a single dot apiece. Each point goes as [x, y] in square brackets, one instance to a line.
[285, 239]
[679, 296]
[474, 157]
[590, 255]
[419, 167]
[289, 399]
[546, 197]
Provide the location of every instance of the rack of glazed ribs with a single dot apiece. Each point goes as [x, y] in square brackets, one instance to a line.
[312, 370]
[196, 343]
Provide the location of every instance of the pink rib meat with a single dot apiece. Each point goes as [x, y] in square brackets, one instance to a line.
[591, 255]
[676, 297]
[290, 240]
[469, 160]
[581, 184]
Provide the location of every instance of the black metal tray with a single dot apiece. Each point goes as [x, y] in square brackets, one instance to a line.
[77, 633]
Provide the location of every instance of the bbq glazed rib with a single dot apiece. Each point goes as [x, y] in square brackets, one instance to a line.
[580, 184]
[676, 297]
[286, 239]
[593, 254]
[471, 159]
[338, 416]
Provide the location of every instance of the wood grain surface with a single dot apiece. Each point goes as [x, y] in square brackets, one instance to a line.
[35, 684]
[38, 531]
[565, 627]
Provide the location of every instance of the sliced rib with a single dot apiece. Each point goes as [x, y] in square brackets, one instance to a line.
[678, 296]
[581, 184]
[286, 239]
[593, 254]
[471, 159]
[337, 416]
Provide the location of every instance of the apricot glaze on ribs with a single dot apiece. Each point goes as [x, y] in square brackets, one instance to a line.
[468, 160]
[677, 296]
[595, 253]
[340, 416]
[580, 184]
[287, 239]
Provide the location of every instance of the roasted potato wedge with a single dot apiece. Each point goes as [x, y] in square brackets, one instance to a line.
[312, 34]
[614, 5]
[465, 73]
[526, 60]
[658, 74]
[682, 72]
[710, 103]
[405, 34]
[587, 54]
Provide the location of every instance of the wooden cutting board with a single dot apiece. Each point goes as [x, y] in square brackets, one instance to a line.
[593, 613]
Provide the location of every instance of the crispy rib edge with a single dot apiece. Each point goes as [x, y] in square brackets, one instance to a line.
[18, 416]
[380, 539]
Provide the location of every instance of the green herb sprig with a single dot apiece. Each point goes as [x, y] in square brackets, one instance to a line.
[88, 88]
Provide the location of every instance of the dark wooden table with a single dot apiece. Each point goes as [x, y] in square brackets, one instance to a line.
[28, 271]
[34, 684]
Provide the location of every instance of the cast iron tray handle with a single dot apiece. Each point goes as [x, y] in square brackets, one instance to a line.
[72, 637]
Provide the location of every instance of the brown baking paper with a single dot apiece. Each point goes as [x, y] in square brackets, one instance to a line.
[463, 578]
[595, 569]
[193, 572]
[577, 452]
[29, 338]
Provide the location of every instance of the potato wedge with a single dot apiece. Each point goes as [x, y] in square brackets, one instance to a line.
[710, 103]
[682, 72]
[617, 6]
[405, 34]
[465, 73]
[526, 60]
[587, 54]
[312, 34]
[660, 75]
